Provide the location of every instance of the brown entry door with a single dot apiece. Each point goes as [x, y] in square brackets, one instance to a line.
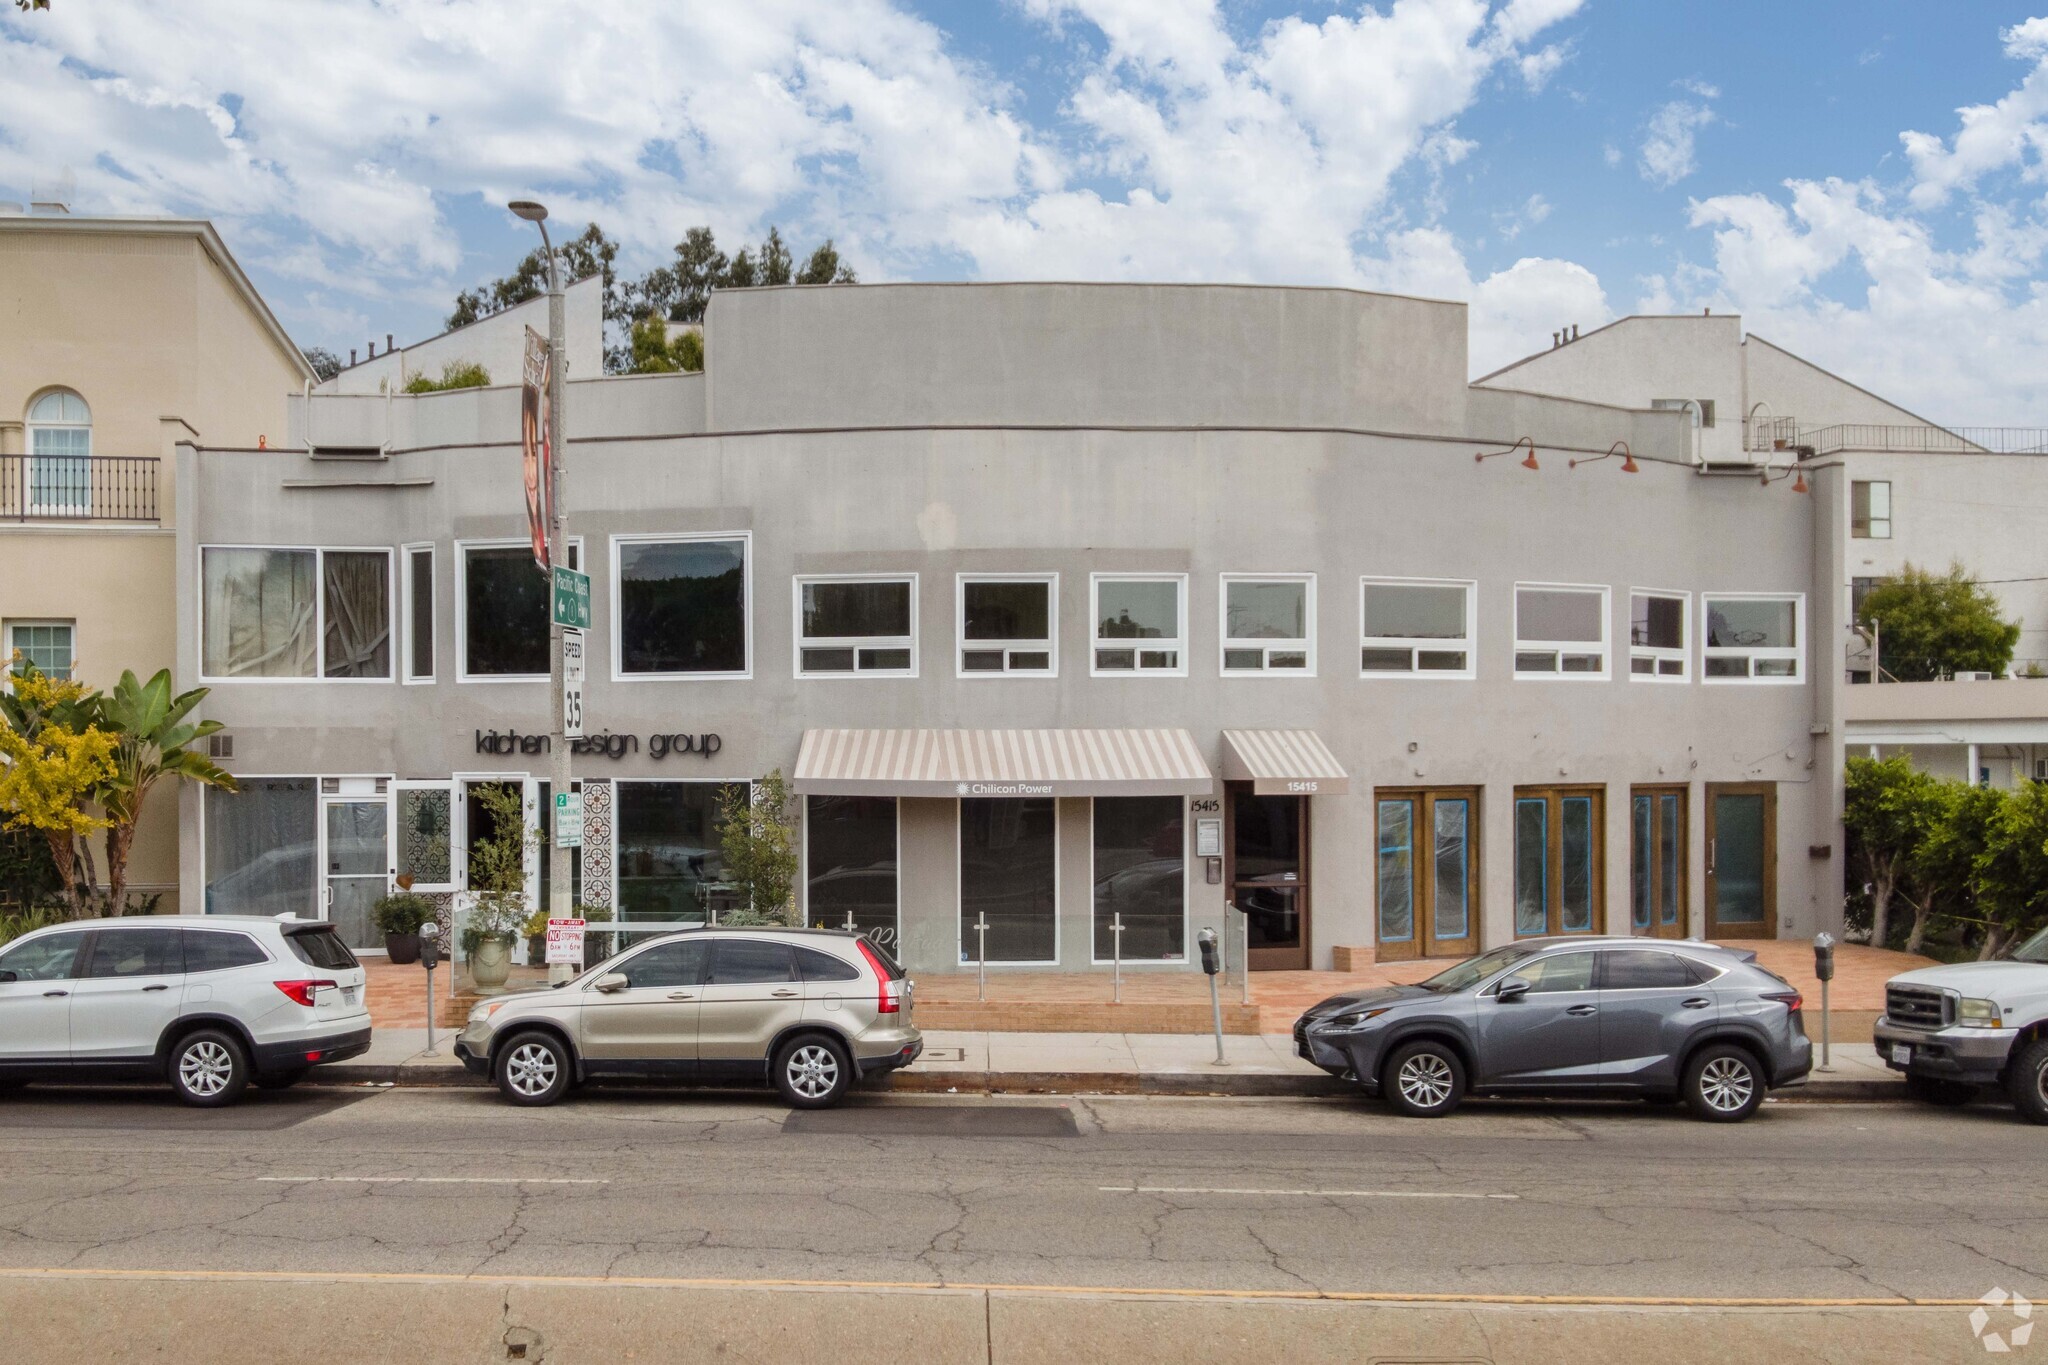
[1657, 830]
[1427, 873]
[1268, 842]
[1742, 860]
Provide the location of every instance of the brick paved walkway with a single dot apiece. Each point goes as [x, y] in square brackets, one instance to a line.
[1159, 1001]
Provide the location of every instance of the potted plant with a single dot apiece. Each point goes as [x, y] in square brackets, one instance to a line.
[497, 871]
[536, 931]
[399, 917]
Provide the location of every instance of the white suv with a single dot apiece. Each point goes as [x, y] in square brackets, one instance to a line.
[207, 1004]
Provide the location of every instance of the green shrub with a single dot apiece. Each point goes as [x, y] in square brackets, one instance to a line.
[402, 913]
[456, 374]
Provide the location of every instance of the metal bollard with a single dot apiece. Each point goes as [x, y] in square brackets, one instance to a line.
[1244, 943]
[1116, 949]
[981, 954]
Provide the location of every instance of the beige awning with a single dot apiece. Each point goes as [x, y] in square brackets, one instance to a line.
[1001, 763]
[1283, 763]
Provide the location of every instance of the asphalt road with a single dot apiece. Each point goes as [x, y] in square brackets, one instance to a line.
[1804, 1201]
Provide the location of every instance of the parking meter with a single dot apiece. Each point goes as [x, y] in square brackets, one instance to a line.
[1824, 969]
[1212, 960]
[1212, 963]
[430, 945]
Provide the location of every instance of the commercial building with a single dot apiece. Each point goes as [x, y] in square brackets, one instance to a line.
[1920, 493]
[121, 338]
[1064, 607]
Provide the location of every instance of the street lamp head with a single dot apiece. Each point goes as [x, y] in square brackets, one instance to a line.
[531, 210]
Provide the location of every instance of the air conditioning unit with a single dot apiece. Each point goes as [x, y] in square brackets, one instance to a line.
[1975, 675]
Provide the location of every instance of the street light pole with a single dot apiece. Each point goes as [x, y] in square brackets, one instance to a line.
[558, 557]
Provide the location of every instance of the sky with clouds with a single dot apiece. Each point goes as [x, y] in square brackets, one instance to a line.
[1866, 181]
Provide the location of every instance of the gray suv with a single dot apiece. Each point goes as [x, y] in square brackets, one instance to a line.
[1599, 1017]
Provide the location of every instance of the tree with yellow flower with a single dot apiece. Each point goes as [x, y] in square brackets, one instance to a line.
[53, 758]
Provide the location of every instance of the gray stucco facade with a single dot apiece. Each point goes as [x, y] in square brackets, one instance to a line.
[1077, 430]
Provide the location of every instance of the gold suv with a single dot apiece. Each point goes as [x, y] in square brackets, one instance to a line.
[810, 1011]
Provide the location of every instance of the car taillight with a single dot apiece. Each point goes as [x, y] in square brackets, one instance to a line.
[887, 992]
[301, 992]
[1789, 999]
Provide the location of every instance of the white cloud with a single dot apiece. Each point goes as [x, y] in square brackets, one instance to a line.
[1513, 311]
[1667, 149]
[2012, 132]
[1538, 67]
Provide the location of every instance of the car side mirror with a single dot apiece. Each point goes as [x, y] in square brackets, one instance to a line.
[612, 981]
[1511, 990]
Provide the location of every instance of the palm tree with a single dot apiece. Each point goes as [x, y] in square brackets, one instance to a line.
[151, 734]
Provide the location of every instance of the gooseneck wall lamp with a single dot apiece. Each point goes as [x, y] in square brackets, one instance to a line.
[1528, 462]
[1628, 459]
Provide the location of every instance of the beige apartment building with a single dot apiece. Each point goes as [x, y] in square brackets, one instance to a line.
[119, 337]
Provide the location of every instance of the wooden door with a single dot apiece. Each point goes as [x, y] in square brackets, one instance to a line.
[1658, 827]
[1560, 862]
[1742, 860]
[1427, 873]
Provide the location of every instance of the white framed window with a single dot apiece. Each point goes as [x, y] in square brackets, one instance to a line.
[1140, 625]
[416, 610]
[52, 646]
[59, 481]
[1753, 637]
[1870, 509]
[682, 606]
[1659, 636]
[856, 625]
[1418, 627]
[1268, 624]
[295, 614]
[503, 609]
[1561, 631]
[1008, 623]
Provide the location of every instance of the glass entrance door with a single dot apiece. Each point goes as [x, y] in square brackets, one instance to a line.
[1742, 860]
[1656, 867]
[356, 856]
[1427, 878]
[1268, 874]
[1560, 861]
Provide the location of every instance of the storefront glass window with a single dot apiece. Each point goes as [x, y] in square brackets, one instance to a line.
[850, 864]
[857, 625]
[669, 864]
[357, 584]
[262, 847]
[682, 606]
[1140, 874]
[1007, 868]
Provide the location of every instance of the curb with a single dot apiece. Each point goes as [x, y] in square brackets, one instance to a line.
[1185, 1083]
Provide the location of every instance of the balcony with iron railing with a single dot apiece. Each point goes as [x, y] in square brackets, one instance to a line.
[78, 488]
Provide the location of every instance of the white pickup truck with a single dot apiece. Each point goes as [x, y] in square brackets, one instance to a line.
[1953, 1029]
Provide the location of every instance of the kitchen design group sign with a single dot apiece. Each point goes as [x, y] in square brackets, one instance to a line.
[506, 743]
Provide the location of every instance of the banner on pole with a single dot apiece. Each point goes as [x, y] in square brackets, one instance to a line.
[533, 440]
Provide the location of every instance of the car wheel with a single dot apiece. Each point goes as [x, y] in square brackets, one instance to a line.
[534, 1068]
[2027, 1081]
[280, 1080]
[1423, 1080]
[208, 1069]
[1723, 1084]
[812, 1072]
[1935, 1090]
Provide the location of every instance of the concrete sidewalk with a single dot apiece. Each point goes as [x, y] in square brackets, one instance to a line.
[1068, 1063]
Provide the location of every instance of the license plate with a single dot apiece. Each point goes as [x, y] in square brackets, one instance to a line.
[1902, 1054]
[348, 995]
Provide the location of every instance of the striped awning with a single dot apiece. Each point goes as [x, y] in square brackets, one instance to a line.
[1283, 763]
[1001, 763]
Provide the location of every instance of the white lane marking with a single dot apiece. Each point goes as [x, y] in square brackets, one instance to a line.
[1318, 1194]
[421, 1180]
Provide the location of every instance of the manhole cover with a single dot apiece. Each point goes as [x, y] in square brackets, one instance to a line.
[934, 1120]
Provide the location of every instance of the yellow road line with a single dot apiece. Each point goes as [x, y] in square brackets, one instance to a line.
[959, 1286]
